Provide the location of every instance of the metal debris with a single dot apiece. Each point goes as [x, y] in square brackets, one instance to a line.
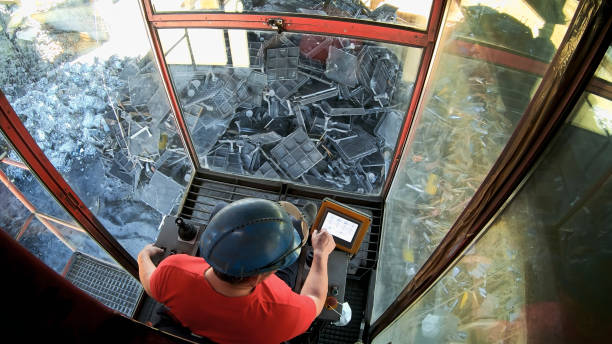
[341, 67]
[316, 116]
[296, 154]
[355, 147]
[317, 96]
[282, 63]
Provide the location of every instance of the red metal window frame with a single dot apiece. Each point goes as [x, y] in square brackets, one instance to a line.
[297, 23]
[23, 143]
[505, 58]
[497, 56]
[178, 115]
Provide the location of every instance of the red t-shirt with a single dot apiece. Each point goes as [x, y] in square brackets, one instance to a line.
[271, 313]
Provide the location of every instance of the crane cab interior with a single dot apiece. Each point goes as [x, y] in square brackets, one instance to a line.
[460, 148]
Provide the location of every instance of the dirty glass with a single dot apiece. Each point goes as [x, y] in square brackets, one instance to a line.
[533, 28]
[17, 219]
[81, 77]
[541, 272]
[468, 115]
[604, 71]
[35, 220]
[309, 109]
[401, 12]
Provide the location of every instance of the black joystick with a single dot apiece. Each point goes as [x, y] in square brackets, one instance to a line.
[185, 231]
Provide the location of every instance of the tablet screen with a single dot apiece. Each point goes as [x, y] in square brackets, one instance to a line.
[340, 227]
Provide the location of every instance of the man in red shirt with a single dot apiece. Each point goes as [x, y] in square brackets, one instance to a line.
[232, 295]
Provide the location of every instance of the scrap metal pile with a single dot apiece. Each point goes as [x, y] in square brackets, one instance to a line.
[339, 8]
[145, 150]
[310, 109]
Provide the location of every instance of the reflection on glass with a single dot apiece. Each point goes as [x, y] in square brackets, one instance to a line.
[30, 210]
[604, 71]
[309, 109]
[409, 13]
[532, 28]
[467, 118]
[81, 77]
[595, 115]
[12, 166]
[61, 244]
[540, 274]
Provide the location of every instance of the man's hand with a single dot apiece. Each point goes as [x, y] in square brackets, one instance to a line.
[146, 266]
[322, 242]
[150, 250]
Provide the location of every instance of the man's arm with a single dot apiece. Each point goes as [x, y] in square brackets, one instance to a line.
[315, 285]
[146, 266]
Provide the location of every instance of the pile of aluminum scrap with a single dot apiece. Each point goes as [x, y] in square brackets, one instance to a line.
[146, 152]
[318, 113]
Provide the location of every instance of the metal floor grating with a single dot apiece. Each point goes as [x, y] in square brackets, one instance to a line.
[204, 193]
[107, 283]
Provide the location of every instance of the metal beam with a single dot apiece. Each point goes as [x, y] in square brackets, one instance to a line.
[24, 226]
[26, 203]
[14, 163]
[497, 56]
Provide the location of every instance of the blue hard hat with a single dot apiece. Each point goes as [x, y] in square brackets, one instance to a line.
[249, 237]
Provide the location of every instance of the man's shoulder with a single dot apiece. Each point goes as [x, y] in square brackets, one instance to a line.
[274, 283]
[178, 259]
[277, 291]
[182, 262]
[175, 270]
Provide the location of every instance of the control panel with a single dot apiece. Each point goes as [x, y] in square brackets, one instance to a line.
[177, 235]
[337, 267]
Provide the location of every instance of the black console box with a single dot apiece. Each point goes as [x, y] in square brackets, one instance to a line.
[337, 267]
[170, 241]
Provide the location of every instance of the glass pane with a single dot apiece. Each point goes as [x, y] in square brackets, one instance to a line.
[533, 28]
[401, 12]
[30, 188]
[541, 272]
[306, 109]
[56, 240]
[605, 68]
[89, 93]
[468, 116]
[49, 217]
